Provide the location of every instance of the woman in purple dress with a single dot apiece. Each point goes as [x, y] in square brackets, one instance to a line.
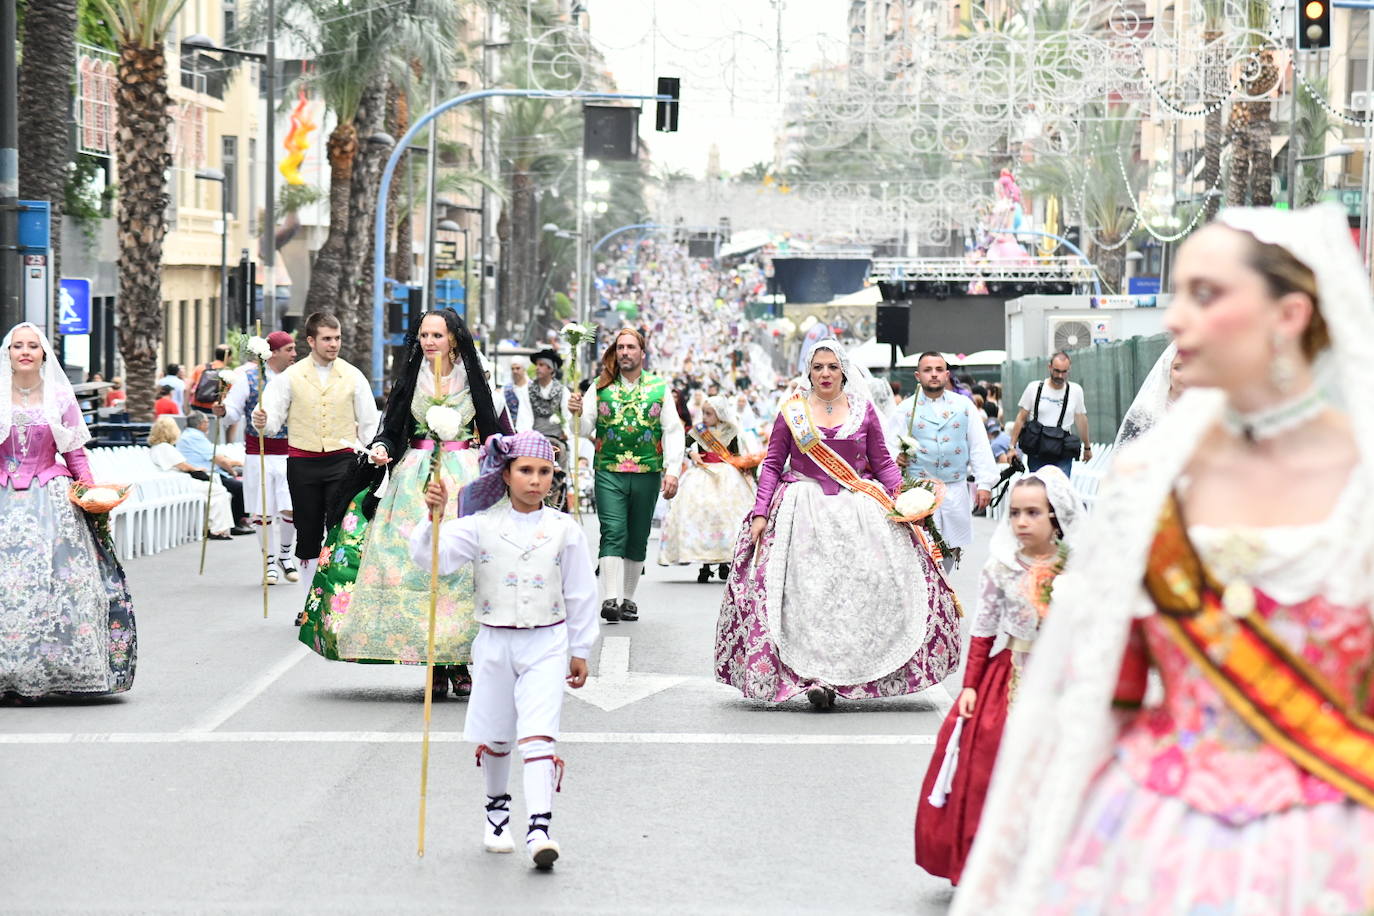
[66, 622]
[826, 596]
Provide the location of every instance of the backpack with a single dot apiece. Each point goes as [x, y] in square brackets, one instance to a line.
[208, 386]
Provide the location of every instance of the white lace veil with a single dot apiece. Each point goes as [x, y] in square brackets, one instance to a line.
[1151, 401]
[1061, 729]
[1064, 500]
[856, 378]
[728, 427]
[58, 395]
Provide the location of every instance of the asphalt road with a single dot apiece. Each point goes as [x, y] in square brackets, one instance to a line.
[245, 774]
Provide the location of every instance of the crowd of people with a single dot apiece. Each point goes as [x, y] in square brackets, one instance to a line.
[1225, 559]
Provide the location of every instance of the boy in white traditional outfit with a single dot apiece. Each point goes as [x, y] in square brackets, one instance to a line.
[536, 598]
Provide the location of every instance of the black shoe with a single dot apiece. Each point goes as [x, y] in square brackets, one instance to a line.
[221, 537]
[724, 570]
[704, 574]
[610, 610]
[240, 530]
[629, 611]
[461, 680]
[821, 697]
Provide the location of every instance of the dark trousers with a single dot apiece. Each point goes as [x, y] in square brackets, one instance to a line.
[1035, 463]
[315, 485]
[235, 488]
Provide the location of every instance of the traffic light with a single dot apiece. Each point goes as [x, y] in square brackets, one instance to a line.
[665, 113]
[1314, 24]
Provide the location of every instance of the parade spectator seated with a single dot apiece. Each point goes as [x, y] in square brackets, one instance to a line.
[200, 453]
[166, 404]
[167, 457]
[116, 394]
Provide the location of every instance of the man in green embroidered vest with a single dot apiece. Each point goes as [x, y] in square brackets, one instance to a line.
[639, 445]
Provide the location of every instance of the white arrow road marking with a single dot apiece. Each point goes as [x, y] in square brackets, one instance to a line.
[616, 685]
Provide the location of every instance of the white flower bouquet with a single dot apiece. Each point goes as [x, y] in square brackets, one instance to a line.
[257, 348]
[445, 423]
[909, 446]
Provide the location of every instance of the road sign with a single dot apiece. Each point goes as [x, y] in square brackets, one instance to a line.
[74, 310]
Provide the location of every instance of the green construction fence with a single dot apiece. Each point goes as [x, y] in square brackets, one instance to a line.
[1110, 373]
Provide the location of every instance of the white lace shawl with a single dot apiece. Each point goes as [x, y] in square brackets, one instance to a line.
[1061, 729]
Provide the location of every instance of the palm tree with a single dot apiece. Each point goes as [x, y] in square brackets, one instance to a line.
[756, 172]
[359, 46]
[1213, 80]
[1252, 165]
[1313, 126]
[45, 95]
[142, 160]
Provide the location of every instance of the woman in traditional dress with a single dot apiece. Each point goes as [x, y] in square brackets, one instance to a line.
[826, 596]
[66, 621]
[1160, 390]
[1230, 549]
[1027, 552]
[369, 602]
[714, 494]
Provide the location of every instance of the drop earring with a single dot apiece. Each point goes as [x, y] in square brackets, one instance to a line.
[1282, 372]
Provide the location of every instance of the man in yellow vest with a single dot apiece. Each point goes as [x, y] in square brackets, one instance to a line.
[326, 406]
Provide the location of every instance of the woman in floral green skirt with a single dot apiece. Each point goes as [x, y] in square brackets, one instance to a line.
[368, 602]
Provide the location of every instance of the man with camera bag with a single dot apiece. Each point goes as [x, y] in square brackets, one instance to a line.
[1050, 411]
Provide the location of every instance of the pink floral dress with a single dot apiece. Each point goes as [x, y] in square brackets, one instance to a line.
[1197, 814]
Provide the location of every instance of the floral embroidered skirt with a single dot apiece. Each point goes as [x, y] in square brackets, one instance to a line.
[703, 519]
[1137, 852]
[839, 597]
[369, 602]
[66, 619]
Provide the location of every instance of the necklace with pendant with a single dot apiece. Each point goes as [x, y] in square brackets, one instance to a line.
[828, 403]
[25, 392]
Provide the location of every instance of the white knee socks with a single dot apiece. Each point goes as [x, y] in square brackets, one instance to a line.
[612, 578]
[541, 777]
[632, 571]
[286, 536]
[495, 764]
[308, 572]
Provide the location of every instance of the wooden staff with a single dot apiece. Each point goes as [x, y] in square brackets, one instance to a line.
[435, 515]
[210, 493]
[265, 528]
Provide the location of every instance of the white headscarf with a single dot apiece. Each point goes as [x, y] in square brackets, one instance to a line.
[1151, 401]
[727, 427]
[58, 395]
[1061, 729]
[855, 379]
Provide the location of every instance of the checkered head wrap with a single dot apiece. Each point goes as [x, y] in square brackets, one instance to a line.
[499, 451]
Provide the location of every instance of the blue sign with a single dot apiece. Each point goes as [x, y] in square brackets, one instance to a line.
[1142, 286]
[74, 307]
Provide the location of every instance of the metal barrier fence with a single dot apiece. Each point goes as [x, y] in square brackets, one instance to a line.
[1110, 374]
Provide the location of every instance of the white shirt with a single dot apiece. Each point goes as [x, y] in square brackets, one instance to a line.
[276, 402]
[166, 457]
[977, 448]
[178, 390]
[1052, 401]
[236, 401]
[674, 436]
[524, 416]
[459, 544]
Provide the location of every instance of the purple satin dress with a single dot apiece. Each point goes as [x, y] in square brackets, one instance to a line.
[837, 596]
[66, 621]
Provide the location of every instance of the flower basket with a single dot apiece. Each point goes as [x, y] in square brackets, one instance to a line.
[98, 499]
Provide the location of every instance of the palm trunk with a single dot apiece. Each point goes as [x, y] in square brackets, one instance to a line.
[143, 160]
[503, 275]
[1238, 180]
[323, 295]
[355, 282]
[1261, 128]
[1214, 77]
[45, 96]
[399, 241]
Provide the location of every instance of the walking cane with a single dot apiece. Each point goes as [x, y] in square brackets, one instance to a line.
[265, 528]
[210, 492]
[435, 515]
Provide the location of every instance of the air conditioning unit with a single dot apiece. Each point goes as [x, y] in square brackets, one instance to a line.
[1359, 101]
[1068, 333]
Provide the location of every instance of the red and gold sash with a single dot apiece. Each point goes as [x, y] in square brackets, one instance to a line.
[812, 445]
[702, 433]
[1273, 690]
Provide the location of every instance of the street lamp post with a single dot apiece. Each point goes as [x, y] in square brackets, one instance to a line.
[269, 83]
[219, 176]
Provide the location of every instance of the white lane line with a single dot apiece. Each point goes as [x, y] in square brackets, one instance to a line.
[230, 705]
[213, 737]
[615, 658]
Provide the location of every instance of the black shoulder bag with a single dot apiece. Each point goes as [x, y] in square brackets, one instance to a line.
[1052, 443]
